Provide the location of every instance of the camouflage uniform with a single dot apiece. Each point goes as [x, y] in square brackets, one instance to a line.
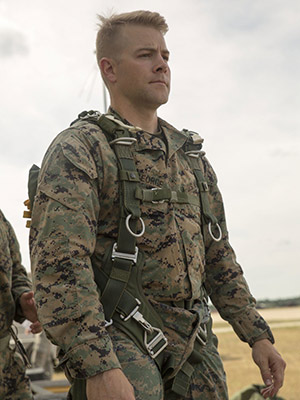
[75, 219]
[13, 282]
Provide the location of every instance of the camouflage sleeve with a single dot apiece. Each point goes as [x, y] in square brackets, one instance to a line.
[225, 280]
[62, 241]
[13, 276]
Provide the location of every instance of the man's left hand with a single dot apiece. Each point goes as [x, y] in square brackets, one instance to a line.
[28, 306]
[271, 366]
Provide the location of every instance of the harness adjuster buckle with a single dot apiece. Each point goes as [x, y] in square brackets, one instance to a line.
[89, 114]
[124, 256]
[202, 334]
[126, 141]
[157, 344]
[193, 153]
[134, 311]
[156, 191]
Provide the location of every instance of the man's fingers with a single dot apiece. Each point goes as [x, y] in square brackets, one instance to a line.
[277, 370]
[28, 297]
[36, 327]
[266, 375]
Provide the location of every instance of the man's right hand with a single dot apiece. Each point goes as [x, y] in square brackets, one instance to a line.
[109, 385]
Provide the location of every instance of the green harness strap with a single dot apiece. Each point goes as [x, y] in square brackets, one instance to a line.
[119, 279]
[193, 151]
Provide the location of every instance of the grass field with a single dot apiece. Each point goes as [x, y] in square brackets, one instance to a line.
[241, 370]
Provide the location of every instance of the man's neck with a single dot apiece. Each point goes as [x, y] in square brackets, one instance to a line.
[144, 119]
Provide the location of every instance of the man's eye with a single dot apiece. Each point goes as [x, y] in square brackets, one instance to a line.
[145, 55]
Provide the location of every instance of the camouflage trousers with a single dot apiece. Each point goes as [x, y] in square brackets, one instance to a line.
[208, 381]
[14, 384]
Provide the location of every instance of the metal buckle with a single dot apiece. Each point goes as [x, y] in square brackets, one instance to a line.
[160, 337]
[141, 320]
[90, 114]
[157, 201]
[150, 346]
[124, 256]
[108, 323]
[126, 141]
[193, 153]
[131, 314]
[216, 239]
[202, 335]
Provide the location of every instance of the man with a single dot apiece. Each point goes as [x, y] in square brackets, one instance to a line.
[16, 303]
[127, 195]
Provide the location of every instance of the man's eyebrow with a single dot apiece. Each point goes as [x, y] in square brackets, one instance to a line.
[149, 48]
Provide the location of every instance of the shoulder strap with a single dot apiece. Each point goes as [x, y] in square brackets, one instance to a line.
[193, 149]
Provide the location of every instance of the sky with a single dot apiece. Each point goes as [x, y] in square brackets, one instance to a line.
[235, 80]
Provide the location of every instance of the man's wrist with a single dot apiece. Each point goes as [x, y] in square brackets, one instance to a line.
[266, 335]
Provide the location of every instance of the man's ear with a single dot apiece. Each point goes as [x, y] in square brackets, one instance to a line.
[107, 67]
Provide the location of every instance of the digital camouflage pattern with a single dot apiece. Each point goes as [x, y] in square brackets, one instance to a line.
[75, 219]
[13, 282]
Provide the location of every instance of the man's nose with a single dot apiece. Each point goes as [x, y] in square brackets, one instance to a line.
[162, 64]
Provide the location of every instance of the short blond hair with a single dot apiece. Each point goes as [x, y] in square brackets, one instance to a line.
[109, 28]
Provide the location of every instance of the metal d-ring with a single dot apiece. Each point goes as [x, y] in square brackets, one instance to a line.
[216, 239]
[129, 229]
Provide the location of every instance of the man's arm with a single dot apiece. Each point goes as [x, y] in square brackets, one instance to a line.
[62, 241]
[231, 296]
[111, 384]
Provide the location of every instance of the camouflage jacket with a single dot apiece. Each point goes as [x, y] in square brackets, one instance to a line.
[75, 218]
[13, 277]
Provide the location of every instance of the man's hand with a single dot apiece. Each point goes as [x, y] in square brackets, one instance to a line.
[28, 306]
[271, 366]
[109, 385]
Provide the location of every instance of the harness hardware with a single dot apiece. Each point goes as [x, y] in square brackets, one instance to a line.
[193, 153]
[156, 341]
[108, 323]
[202, 335]
[216, 239]
[126, 141]
[129, 229]
[124, 256]
[131, 314]
[159, 201]
[89, 114]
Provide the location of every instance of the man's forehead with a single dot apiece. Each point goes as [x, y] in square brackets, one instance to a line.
[140, 36]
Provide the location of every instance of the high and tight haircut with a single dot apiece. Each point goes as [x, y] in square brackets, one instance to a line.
[109, 28]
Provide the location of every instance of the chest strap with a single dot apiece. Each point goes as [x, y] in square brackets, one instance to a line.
[161, 195]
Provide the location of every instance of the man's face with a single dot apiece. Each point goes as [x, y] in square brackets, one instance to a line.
[142, 71]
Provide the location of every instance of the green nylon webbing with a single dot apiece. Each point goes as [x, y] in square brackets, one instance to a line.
[126, 242]
[182, 379]
[166, 194]
[208, 216]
